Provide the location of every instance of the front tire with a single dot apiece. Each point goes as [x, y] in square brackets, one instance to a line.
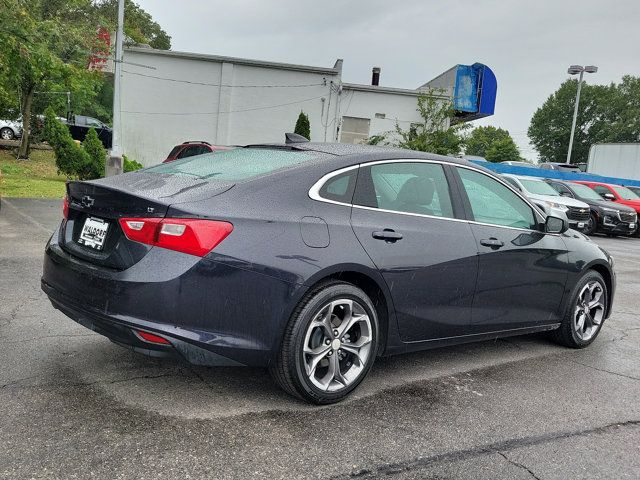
[591, 226]
[7, 134]
[585, 313]
[329, 345]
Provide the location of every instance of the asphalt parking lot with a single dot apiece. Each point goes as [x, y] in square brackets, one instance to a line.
[74, 405]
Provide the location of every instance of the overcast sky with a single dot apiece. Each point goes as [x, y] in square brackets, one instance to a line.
[528, 44]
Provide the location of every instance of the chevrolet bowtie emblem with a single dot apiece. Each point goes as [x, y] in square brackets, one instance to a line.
[87, 201]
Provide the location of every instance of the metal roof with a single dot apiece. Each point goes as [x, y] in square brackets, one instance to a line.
[235, 60]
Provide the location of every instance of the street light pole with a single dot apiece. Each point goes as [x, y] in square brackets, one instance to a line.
[575, 117]
[114, 162]
[573, 69]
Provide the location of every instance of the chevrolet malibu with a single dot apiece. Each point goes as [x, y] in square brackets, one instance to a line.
[314, 259]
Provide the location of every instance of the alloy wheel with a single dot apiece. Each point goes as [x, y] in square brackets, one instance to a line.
[6, 134]
[589, 311]
[337, 345]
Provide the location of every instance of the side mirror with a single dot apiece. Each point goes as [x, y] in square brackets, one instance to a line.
[555, 225]
[565, 194]
[608, 196]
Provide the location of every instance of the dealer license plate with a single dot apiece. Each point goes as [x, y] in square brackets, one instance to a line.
[94, 231]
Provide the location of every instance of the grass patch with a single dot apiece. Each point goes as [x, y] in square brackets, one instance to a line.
[34, 178]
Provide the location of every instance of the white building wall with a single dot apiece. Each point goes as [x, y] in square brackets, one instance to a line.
[228, 101]
[158, 114]
[395, 107]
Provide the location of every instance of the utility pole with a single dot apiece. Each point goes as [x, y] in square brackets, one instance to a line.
[573, 69]
[114, 162]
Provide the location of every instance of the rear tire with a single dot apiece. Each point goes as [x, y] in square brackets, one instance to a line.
[585, 312]
[329, 344]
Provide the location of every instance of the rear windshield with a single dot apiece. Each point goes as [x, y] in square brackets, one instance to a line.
[232, 165]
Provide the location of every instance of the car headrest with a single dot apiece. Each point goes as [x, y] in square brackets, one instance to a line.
[417, 191]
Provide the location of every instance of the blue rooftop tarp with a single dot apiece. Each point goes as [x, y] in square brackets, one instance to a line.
[569, 176]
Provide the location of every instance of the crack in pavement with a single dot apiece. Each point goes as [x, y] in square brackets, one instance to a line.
[519, 465]
[387, 469]
[16, 383]
[630, 377]
[33, 339]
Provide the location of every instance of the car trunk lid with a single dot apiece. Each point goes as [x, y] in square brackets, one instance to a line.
[92, 231]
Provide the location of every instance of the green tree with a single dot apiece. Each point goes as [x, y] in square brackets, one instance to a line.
[71, 158]
[97, 154]
[483, 139]
[84, 161]
[435, 133]
[502, 150]
[139, 26]
[607, 113]
[302, 126]
[44, 42]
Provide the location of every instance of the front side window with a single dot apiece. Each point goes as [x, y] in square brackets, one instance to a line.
[626, 194]
[585, 192]
[493, 203]
[561, 189]
[601, 190]
[407, 187]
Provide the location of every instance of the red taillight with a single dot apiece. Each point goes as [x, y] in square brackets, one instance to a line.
[186, 235]
[151, 338]
[65, 207]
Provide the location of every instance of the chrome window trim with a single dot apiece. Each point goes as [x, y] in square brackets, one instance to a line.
[314, 193]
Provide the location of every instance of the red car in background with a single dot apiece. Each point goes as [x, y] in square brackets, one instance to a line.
[616, 193]
[192, 148]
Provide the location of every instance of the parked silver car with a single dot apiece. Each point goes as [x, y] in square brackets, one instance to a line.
[10, 129]
[547, 198]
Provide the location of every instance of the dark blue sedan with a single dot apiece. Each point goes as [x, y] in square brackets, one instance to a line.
[313, 259]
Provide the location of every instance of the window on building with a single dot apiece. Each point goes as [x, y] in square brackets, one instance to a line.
[355, 130]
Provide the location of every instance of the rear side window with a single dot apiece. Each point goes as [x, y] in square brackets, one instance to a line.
[339, 188]
[233, 165]
[407, 187]
[174, 150]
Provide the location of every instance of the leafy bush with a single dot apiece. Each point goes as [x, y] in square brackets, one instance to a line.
[85, 161]
[303, 126]
[97, 156]
[130, 165]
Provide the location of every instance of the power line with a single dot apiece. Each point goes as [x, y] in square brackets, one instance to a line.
[222, 84]
[266, 107]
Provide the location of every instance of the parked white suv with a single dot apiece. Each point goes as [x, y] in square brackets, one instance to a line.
[546, 197]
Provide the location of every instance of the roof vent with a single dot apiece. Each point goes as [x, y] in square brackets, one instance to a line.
[294, 138]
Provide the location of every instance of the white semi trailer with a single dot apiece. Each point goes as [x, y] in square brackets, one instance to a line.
[620, 160]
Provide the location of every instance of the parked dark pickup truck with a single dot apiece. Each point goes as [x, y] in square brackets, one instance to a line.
[80, 124]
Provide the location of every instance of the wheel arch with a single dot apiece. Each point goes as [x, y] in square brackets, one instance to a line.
[368, 280]
[607, 275]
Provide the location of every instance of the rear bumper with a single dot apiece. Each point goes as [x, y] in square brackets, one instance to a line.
[213, 313]
[122, 333]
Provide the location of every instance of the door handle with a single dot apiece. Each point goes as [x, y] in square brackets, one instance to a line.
[492, 242]
[388, 235]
